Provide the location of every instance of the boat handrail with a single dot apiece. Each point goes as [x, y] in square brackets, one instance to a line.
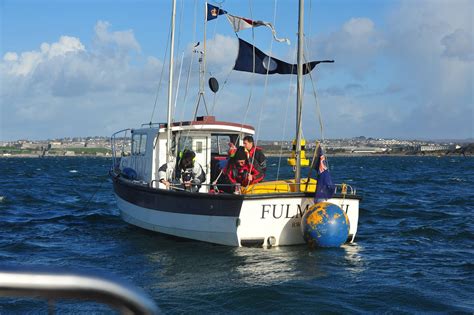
[343, 189]
[120, 131]
[51, 285]
[152, 124]
[113, 144]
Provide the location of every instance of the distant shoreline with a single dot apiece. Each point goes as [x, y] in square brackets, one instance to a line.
[374, 154]
[268, 154]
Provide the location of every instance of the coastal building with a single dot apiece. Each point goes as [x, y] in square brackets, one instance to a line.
[434, 147]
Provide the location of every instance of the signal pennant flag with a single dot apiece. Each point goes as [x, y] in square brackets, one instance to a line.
[265, 64]
[212, 12]
[239, 23]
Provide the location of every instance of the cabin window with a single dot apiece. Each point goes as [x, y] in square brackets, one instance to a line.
[185, 143]
[220, 144]
[197, 144]
[142, 145]
[198, 147]
[139, 144]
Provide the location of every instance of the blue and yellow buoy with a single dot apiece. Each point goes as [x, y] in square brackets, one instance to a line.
[325, 225]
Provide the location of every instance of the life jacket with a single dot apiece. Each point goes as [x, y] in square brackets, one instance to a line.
[251, 152]
[255, 155]
[239, 174]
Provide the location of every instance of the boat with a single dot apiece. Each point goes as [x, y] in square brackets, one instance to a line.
[265, 214]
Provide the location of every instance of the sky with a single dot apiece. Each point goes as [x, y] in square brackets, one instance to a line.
[403, 69]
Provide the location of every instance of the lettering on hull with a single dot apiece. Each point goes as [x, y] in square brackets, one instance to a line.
[286, 211]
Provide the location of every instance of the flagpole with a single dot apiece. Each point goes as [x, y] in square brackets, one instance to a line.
[313, 161]
[299, 95]
[170, 85]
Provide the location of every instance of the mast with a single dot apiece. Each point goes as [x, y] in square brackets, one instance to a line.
[170, 85]
[299, 95]
[202, 68]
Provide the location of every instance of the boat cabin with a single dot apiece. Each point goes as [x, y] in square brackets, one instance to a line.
[147, 147]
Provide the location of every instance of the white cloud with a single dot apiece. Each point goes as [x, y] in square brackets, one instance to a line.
[64, 79]
[431, 45]
[124, 40]
[65, 45]
[354, 46]
[459, 44]
[10, 56]
[222, 50]
[28, 61]
[410, 77]
[415, 72]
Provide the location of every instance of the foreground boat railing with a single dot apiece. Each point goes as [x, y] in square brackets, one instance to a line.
[52, 285]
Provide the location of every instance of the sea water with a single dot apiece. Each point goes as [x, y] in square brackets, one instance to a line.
[414, 249]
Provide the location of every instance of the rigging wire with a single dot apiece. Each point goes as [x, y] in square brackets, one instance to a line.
[263, 103]
[186, 136]
[220, 3]
[315, 94]
[188, 77]
[252, 75]
[318, 107]
[161, 75]
[178, 43]
[190, 64]
[285, 121]
[224, 84]
[177, 83]
[252, 79]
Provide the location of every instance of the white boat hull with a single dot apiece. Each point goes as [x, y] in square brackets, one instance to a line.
[280, 219]
[206, 228]
[259, 221]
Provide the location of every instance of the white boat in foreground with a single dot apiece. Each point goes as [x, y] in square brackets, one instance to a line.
[267, 213]
[264, 214]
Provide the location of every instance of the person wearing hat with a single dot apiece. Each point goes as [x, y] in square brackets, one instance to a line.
[240, 171]
[185, 172]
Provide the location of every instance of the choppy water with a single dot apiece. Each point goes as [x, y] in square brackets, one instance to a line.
[414, 251]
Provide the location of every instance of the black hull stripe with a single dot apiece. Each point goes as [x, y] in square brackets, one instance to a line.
[191, 203]
[176, 201]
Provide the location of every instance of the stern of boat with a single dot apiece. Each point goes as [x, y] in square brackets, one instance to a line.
[275, 220]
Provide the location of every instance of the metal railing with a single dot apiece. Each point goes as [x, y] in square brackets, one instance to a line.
[52, 285]
[342, 189]
[122, 141]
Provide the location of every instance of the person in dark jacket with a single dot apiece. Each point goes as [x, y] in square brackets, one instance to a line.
[185, 172]
[255, 154]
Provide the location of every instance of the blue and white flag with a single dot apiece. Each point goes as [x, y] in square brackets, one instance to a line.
[212, 12]
[264, 64]
[324, 187]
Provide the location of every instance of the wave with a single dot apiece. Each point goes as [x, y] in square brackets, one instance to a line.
[422, 231]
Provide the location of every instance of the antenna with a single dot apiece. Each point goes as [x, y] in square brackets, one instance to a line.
[201, 81]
